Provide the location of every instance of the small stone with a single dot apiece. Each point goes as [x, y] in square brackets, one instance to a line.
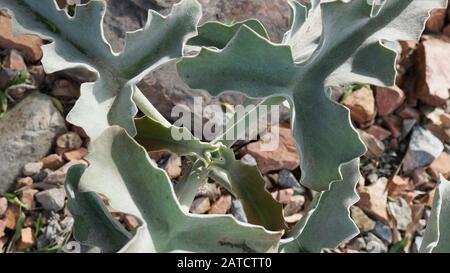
[286, 179]
[200, 205]
[31, 169]
[76, 154]
[2, 230]
[440, 166]
[408, 125]
[408, 112]
[295, 205]
[285, 195]
[65, 89]
[52, 162]
[375, 148]
[373, 200]
[285, 155]
[437, 20]
[23, 182]
[131, 222]
[364, 223]
[379, 132]
[11, 216]
[388, 100]
[27, 197]
[394, 124]
[362, 105]
[15, 61]
[52, 199]
[445, 120]
[373, 178]
[248, 159]
[357, 244]
[401, 212]
[221, 206]
[3, 206]
[398, 185]
[293, 218]
[383, 231]
[209, 190]
[26, 240]
[423, 149]
[374, 244]
[69, 141]
[238, 211]
[173, 166]
[41, 175]
[55, 178]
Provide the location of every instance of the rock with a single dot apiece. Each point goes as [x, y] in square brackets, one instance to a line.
[401, 212]
[375, 148]
[221, 206]
[3, 206]
[238, 211]
[408, 126]
[379, 132]
[286, 179]
[26, 240]
[27, 197]
[433, 71]
[445, 120]
[131, 222]
[52, 199]
[440, 166]
[284, 196]
[408, 112]
[394, 124]
[283, 157]
[65, 89]
[56, 231]
[424, 147]
[248, 159]
[2, 230]
[56, 178]
[374, 244]
[11, 216]
[69, 141]
[14, 61]
[364, 223]
[41, 175]
[23, 182]
[31, 169]
[72, 163]
[27, 132]
[357, 244]
[76, 154]
[399, 185]
[362, 105]
[173, 166]
[388, 100]
[383, 232]
[52, 162]
[373, 200]
[200, 205]
[437, 20]
[295, 205]
[29, 45]
[293, 218]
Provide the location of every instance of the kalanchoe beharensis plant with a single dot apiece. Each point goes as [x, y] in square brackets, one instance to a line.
[330, 43]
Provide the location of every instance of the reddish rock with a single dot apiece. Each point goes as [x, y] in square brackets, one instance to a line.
[27, 197]
[173, 166]
[26, 240]
[433, 71]
[437, 20]
[388, 100]
[283, 157]
[131, 222]
[394, 124]
[373, 200]
[66, 89]
[362, 105]
[23, 182]
[399, 185]
[14, 61]
[379, 132]
[445, 120]
[407, 112]
[3, 206]
[221, 206]
[52, 162]
[200, 205]
[440, 166]
[375, 147]
[11, 216]
[76, 154]
[68, 165]
[29, 45]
